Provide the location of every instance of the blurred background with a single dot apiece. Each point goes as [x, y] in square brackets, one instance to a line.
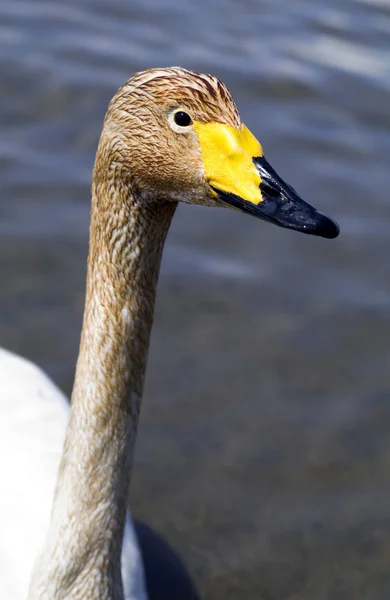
[264, 448]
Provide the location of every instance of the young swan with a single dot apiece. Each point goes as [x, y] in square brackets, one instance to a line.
[169, 135]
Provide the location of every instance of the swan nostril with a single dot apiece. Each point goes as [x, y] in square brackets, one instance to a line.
[268, 189]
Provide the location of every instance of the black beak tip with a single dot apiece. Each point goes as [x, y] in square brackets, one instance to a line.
[326, 227]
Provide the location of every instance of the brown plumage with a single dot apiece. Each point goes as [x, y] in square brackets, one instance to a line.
[137, 138]
[145, 163]
[142, 168]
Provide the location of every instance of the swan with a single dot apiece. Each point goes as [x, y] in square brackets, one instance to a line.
[169, 135]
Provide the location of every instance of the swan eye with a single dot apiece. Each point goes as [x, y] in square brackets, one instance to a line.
[182, 119]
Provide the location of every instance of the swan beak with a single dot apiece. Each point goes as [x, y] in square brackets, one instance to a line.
[281, 205]
[240, 177]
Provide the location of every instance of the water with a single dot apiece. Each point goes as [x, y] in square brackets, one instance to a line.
[263, 452]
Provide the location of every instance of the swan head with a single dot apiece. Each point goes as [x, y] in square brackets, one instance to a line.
[173, 134]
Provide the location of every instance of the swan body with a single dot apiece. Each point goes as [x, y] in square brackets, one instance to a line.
[34, 416]
[168, 135]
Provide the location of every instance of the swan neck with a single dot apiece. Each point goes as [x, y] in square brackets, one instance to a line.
[127, 235]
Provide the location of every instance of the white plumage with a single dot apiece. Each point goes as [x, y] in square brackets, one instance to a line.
[33, 418]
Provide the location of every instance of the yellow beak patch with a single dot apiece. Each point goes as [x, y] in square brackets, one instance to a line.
[227, 155]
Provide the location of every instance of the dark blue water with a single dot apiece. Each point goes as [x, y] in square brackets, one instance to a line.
[264, 447]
